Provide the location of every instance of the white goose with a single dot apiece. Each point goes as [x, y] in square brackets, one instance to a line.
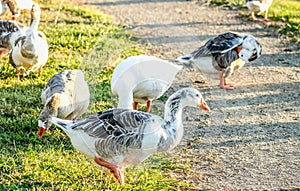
[66, 95]
[141, 79]
[30, 51]
[259, 6]
[224, 54]
[117, 138]
[9, 32]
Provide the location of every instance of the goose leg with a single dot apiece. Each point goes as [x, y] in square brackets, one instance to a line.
[266, 16]
[135, 105]
[40, 71]
[148, 106]
[252, 17]
[18, 74]
[113, 169]
[223, 83]
[3, 53]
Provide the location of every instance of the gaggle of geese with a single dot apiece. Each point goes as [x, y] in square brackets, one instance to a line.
[118, 137]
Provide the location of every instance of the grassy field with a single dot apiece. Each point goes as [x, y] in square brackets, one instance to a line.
[287, 12]
[78, 38]
[86, 39]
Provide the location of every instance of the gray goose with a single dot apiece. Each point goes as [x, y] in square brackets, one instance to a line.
[116, 138]
[224, 54]
[30, 50]
[9, 32]
[66, 95]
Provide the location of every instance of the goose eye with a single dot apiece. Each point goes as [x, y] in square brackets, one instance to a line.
[197, 95]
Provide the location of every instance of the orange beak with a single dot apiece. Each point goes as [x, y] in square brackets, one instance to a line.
[41, 132]
[203, 105]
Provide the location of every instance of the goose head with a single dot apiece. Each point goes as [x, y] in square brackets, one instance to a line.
[193, 98]
[44, 122]
[187, 97]
[50, 110]
[250, 49]
[35, 11]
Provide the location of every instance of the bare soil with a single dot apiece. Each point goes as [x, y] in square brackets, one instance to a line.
[251, 139]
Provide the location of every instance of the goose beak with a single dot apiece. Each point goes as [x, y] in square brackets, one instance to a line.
[41, 132]
[203, 105]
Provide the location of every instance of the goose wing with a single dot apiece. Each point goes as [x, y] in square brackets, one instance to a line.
[119, 130]
[114, 122]
[219, 45]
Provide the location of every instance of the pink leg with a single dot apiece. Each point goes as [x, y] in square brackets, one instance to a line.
[266, 19]
[113, 169]
[148, 106]
[252, 17]
[223, 83]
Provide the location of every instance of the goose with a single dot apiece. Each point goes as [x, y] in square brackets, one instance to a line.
[222, 55]
[116, 138]
[258, 6]
[141, 79]
[8, 4]
[9, 32]
[3, 7]
[30, 51]
[66, 95]
[15, 6]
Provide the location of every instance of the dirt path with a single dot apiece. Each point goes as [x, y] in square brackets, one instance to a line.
[251, 139]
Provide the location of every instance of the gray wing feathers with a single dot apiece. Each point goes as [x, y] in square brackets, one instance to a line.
[220, 44]
[113, 122]
[116, 130]
[6, 30]
[224, 60]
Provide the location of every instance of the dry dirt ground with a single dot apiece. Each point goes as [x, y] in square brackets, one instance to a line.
[251, 139]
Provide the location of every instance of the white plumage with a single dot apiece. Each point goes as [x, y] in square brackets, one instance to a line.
[141, 79]
[66, 95]
[224, 54]
[117, 138]
[30, 50]
[24, 4]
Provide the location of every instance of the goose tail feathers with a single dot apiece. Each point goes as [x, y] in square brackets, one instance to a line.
[61, 123]
[184, 59]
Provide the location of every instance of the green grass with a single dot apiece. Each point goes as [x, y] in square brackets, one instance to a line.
[287, 12]
[81, 38]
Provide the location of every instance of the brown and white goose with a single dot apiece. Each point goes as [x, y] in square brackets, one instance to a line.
[259, 6]
[15, 7]
[3, 7]
[66, 95]
[116, 138]
[141, 79]
[11, 5]
[222, 55]
[9, 32]
[30, 51]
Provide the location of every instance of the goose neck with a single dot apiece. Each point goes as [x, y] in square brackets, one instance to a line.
[173, 125]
